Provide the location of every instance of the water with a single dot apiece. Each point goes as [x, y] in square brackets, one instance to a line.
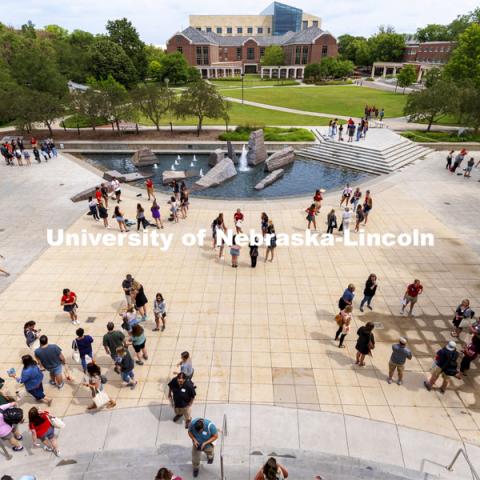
[303, 177]
[242, 163]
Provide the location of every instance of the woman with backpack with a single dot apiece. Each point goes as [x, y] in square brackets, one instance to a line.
[9, 432]
[272, 470]
[42, 429]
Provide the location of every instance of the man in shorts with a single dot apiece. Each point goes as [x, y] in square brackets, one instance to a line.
[411, 296]
[112, 340]
[445, 365]
[51, 358]
[127, 288]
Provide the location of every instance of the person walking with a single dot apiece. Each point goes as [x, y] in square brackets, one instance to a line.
[184, 200]
[347, 297]
[271, 241]
[218, 229]
[9, 433]
[138, 341]
[140, 299]
[95, 381]
[173, 208]
[181, 394]
[150, 189]
[468, 168]
[264, 223]
[32, 379]
[359, 218]
[340, 133]
[104, 191]
[124, 365]
[343, 319]
[185, 365]
[159, 312]
[117, 191]
[365, 129]
[253, 252]
[127, 288]
[129, 318]
[50, 356]
[367, 205]
[463, 312]
[346, 194]
[448, 166]
[140, 216]
[369, 291]
[42, 430]
[155, 209]
[272, 470]
[203, 433]
[458, 159]
[69, 303]
[238, 218]
[445, 365]
[411, 296]
[92, 206]
[470, 353]
[311, 212]
[382, 114]
[26, 157]
[112, 340]
[331, 222]
[83, 345]
[317, 200]
[400, 354]
[350, 131]
[103, 214]
[234, 252]
[120, 218]
[365, 343]
[359, 131]
[36, 155]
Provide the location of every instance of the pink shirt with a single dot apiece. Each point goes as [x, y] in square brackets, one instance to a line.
[5, 429]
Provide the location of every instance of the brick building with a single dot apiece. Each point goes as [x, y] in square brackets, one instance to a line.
[223, 56]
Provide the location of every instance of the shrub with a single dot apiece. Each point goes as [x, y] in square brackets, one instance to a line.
[272, 134]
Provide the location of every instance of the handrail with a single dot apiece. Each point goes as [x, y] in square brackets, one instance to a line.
[5, 451]
[222, 443]
[465, 455]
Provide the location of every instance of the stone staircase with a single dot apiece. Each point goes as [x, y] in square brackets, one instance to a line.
[239, 464]
[371, 159]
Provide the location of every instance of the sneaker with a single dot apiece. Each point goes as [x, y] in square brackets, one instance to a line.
[427, 385]
[361, 309]
[17, 449]
[138, 362]
[401, 312]
[51, 382]
[210, 461]
[155, 329]
[163, 328]
[133, 385]
[56, 452]
[368, 306]
[47, 449]
[176, 418]
[389, 381]
[399, 382]
[61, 385]
[195, 472]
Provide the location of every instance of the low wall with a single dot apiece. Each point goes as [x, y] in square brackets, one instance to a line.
[440, 146]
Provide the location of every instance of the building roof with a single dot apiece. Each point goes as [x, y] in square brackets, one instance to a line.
[309, 35]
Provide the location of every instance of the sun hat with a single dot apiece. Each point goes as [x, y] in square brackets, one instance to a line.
[451, 346]
[403, 340]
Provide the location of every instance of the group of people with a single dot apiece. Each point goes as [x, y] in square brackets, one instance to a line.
[337, 130]
[14, 150]
[454, 161]
[371, 112]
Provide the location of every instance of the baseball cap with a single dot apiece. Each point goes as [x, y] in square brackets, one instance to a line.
[451, 346]
[403, 340]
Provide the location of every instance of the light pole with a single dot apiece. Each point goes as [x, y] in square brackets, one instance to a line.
[243, 77]
[167, 81]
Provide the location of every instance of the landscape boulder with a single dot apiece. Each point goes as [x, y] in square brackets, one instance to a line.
[109, 175]
[257, 152]
[215, 157]
[144, 158]
[280, 159]
[221, 172]
[169, 175]
[270, 178]
[231, 152]
[84, 194]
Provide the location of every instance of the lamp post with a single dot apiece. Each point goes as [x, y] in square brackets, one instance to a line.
[243, 77]
[167, 81]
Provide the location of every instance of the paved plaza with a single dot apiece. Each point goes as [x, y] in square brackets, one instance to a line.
[261, 336]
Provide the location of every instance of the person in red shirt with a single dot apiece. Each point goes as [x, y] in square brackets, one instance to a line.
[42, 429]
[150, 189]
[311, 216]
[238, 220]
[317, 200]
[69, 303]
[98, 194]
[411, 296]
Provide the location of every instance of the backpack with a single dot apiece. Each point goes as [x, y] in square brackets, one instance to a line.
[450, 367]
[12, 416]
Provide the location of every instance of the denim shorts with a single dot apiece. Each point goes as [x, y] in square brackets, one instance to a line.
[37, 392]
[127, 376]
[56, 370]
[50, 434]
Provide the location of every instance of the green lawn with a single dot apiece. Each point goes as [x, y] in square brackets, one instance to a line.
[333, 100]
[423, 136]
[251, 82]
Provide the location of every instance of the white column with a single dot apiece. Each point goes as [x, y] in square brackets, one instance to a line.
[373, 72]
[208, 72]
[420, 73]
[271, 72]
[232, 71]
[384, 72]
[394, 71]
[261, 73]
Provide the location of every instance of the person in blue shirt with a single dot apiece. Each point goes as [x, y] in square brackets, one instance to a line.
[83, 343]
[203, 433]
[32, 378]
[347, 297]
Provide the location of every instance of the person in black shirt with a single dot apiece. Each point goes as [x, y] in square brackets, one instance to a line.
[369, 292]
[181, 394]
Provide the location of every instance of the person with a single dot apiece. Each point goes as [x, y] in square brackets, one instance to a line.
[218, 225]
[359, 131]
[311, 212]
[32, 379]
[140, 299]
[470, 353]
[411, 296]
[350, 130]
[359, 218]
[176, 190]
[181, 394]
[203, 433]
[458, 159]
[124, 365]
[50, 356]
[98, 195]
[272, 470]
[155, 209]
[139, 341]
[117, 192]
[112, 340]
[400, 354]
[365, 343]
[234, 252]
[103, 214]
[367, 205]
[253, 247]
[8, 432]
[36, 154]
[150, 189]
[26, 157]
[347, 297]
[463, 312]
[448, 166]
[83, 344]
[468, 169]
[184, 200]
[357, 195]
[173, 209]
[94, 381]
[159, 311]
[369, 291]
[104, 190]
[31, 335]
[238, 218]
[185, 365]
[120, 218]
[271, 241]
[317, 200]
[264, 223]
[343, 319]
[346, 194]
[340, 133]
[331, 221]
[346, 217]
[127, 288]
[141, 220]
[69, 303]
[18, 156]
[445, 365]
[42, 429]
[166, 474]
[129, 317]
[382, 114]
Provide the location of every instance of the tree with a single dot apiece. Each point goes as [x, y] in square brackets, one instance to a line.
[433, 33]
[387, 46]
[467, 105]
[124, 34]
[432, 103]
[92, 104]
[48, 108]
[108, 58]
[462, 22]
[328, 67]
[343, 68]
[175, 68]
[406, 76]
[273, 56]
[201, 100]
[312, 72]
[153, 101]
[355, 49]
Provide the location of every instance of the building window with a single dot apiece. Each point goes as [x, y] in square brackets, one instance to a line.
[229, 30]
[305, 55]
[249, 29]
[205, 55]
[239, 53]
[199, 29]
[239, 30]
[305, 24]
[269, 30]
[262, 52]
[180, 49]
[324, 50]
[250, 53]
[260, 30]
[315, 23]
[208, 29]
[298, 51]
[199, 55]
[219, 30]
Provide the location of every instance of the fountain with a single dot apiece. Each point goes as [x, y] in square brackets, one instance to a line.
[201, 172]
[176, 162]
[194, 158]
[192, 164]
[179, 158]
[156, 165]
[173, 167]
[242, 164]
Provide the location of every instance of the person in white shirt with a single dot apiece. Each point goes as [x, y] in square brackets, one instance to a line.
[116, 189]
[346, 217]
[346, 194]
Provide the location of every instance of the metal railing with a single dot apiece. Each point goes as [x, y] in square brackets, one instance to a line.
[5, 451]
[465, 455]
[222, 443]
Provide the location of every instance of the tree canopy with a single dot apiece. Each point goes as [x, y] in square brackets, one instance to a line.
[273, 56]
